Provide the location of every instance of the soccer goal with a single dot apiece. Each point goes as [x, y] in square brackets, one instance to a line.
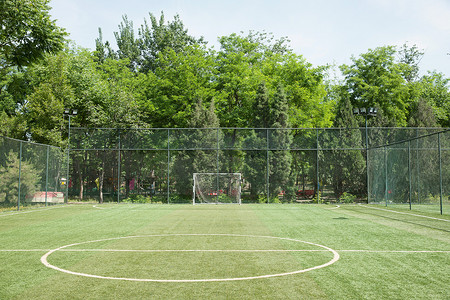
[217, 188]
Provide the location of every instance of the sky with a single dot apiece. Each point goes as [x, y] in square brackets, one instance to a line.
[322, 31]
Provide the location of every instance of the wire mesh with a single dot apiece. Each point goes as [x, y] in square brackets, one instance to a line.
[414, 171]
[30, 174]
[390, 166]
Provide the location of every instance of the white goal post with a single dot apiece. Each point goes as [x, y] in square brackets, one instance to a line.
[217, 188]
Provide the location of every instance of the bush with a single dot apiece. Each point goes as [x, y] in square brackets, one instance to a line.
[9, 179]
[347, 198]
[138, 199]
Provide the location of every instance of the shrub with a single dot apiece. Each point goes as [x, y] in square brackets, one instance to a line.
[347, 198]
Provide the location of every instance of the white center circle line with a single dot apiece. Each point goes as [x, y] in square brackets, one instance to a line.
[44, 259]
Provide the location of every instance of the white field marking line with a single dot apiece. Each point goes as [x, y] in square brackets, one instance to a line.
[337, 206]
[332, 261]
[95, 206]
[397, 251]
[30, 211]
[404, 213]
[224, 250]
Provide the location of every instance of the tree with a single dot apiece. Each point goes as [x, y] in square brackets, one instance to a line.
[9, 178]
[159, 36]
[204, 124]
[410, 57]
[172, 90]
[128, 44]
[255, 168]
[27, 33]
[346, 168]
[435, 91]
[280, 160]
[421, 115]
[376, 80]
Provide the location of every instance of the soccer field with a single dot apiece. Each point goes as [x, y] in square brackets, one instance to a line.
[224, 252]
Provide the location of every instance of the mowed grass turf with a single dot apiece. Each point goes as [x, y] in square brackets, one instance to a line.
[382, 254]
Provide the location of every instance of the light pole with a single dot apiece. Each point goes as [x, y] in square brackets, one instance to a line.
[69, 113]
[366, 112]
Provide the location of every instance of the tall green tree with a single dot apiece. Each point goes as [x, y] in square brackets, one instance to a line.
[345, 168]
[410, 57]
[255, 168]
[128, 44]
[435, 91]
[193, 159]
[281, 179]
[375, 79]
[158, 36]
[172, 90]
[246, 60]
[27, 33]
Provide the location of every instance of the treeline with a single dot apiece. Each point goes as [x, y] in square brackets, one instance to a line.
[155, 77]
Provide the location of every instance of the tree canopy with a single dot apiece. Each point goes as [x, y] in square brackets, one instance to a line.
[155, 76]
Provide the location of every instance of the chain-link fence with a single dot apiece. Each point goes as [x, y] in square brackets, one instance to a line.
[277, 165]
[408, 166]
[414, 170]
[30, 174]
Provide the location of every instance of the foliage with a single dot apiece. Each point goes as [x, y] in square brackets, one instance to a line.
[173, 89]
[136, 198]
[376, 80]
[203, 135]
[347, 198]
[281, 179]
[435, 90]
[9, 178]
[26, 33]
[346, 169]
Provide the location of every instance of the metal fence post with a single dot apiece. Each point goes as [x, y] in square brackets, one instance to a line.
[418, 166]
[168, 166]
[118, 171]
[317, 166]
[409, 174]
[46, 175]
[217, 167]
[20, 174]
[385, 176]
[267, 170]
[441, 190]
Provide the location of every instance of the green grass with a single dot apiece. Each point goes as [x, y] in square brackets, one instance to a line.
[378, 251]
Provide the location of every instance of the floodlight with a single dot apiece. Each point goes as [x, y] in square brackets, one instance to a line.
[362, 110]
[68, 112]
[356, 111]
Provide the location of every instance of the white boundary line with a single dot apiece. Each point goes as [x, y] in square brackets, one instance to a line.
[396, 251]
[337, 206]
[224, 250]
[32, 210]
[332, 261]
[404, 213]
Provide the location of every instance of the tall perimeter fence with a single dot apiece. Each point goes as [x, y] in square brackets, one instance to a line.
[30, 174]
[389, 166]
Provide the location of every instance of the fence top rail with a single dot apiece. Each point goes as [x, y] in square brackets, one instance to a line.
[29, 142]
[256, 128]
[412, 139]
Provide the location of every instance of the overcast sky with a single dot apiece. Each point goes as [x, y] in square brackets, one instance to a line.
[323, 31]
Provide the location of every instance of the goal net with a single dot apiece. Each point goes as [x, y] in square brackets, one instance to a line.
[217, 188]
